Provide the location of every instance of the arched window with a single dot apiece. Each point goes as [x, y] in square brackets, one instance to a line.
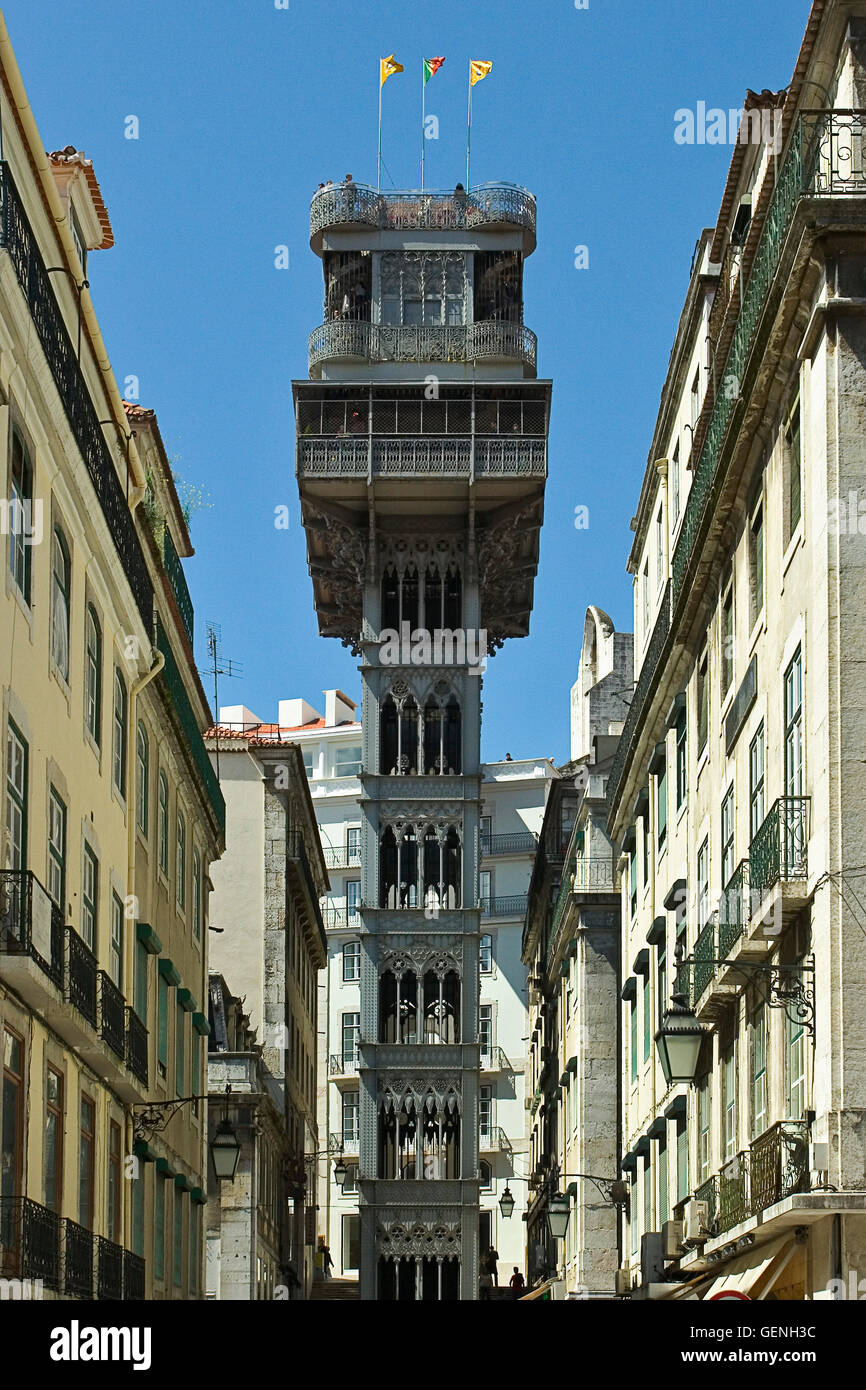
[60, 574]
[441, 885]
[441, 1007]
[142, 791]
[93, 674]
[119, 732]
[398, 748]
[442, 737]
[399, 598]
[398, 1006]
[398, 868]
[419, 1138]
[162, 827]
[485, 1173]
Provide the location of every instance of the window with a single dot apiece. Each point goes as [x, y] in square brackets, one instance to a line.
[159, 1227]
[180, 862]
[703, 702]
[645, 846]
[60, 603]
[660, 548]
[682, 761]
[115, 1192]
[20, 517]
[197, 896]
[486, 1175]
[162, 1024]
[796, 1070]
[352, 961]
[307, 754]
[119, 732]
[162, 826]
[53, 1147]
[661, 978]
[485, 954]
[485, 828]
[347, 760]
[353, 901]
[12, 1115]
[485, 1112]
[675, 483]
[142, 757]
[682, 1159]
[792, 469]
[794, 726]
[353, 843]
[645, 602]
[632, 878]
[194, 1214]
[180, 1051]
[424, 287]
[633, 1039]
[729, 1102]
[351, 1029]
[93, 675]
[177, 1260]
[86, 1155]
[704, 1112]
[728, 837]
[351, 1126]
[647, 1194]
[662, 805]
[635, 1221]
[115, 957]
[16, 799]
[703, 884]
[195, 1079]
[696, 401]
[756, 565]
[89, 897]
[57, 849]
[485, 889]
[647, 1017]
[758, 1057]
[351, 1181]
[756, 782]
[663, 1208]
[726, 641]
[485, 1029]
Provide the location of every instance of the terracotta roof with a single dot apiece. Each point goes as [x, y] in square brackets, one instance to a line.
[70, 155]
[138, 412]
[273, 733]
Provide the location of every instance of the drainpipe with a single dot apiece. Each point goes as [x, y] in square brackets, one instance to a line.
[36, 150]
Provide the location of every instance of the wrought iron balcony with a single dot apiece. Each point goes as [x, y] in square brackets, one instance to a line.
[734, 1192]
[709, 1192]
[17, 238]
[703, 960]
[297, 858]
[514, 906]
[29, 1241]
[136, 1046]
[683, 983]
[493, 1059]
[133, 1277]
[341, 857]
[343, 1144]
[343, 1064]
[112, 1015]
[435, 456]
[490, 340]
[82, 976]
[779, 1164]
[176, 577]
[78, 1260]
[644, 690]
[484, 207]
[517, 842]
[172, 683]
[30, 923]
[345, 918]
[734, 909]
[109, 1269]
[777, 853]
[493, 1139]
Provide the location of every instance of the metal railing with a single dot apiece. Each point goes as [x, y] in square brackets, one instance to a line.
[493, 1059]
[515, 842]
[25, 907]
[173, 683]
[177, 579]
[341, 857]
[18, 239]
[136, 1046]
[29, 1241]
[709, 1192]
[734, 1192]
[487, 340]
[298, 855]
[112, 1015]
[683, 983]
[78, 1260]
[82, 976]
[514, 906]
[643, 690]
[109, 1269]
[734, 909]
[345, 917]
[778, 851]
[493, 1139]
[486, 205]
[779, 1163]
[345, 1144]
[343, 1064]
[133, 1277]
[516, 456]
[703, 960]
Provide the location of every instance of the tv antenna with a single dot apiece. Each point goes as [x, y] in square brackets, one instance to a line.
[219, 666]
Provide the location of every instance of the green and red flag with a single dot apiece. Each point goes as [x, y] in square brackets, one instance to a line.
[431, 67]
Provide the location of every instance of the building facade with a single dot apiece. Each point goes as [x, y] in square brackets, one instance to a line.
[736, 795]
[421, 459]
[268, 933]
[100, 701]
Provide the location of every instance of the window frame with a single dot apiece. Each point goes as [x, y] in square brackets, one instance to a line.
[142, 789]
[351, 954]
[119, 732]
[757, 781]
[87, 1161]
[21, 501]
[17, 797]
[485, 953]
[89, 897]
[61, 590]
[54, 1118]
[180, 860]
[57, 817]
[116, 943]
[162, 823]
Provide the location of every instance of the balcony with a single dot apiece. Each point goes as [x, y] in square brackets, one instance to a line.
[136, 1047]
[343, 1144]
[487, 207]
[177, 579]
[428, 457]
[778, 864]
[518, 842]
[493, 1059]
[343, 1064]
[18, 240]
[493, 1139]
[345, 341]
[134, 1270]
[342, 857]
[643, 694]
[29, 1242]
[514, 906]
[773, 1167]
[31, 938]
[173, 686]
[298, 861]
[78, 1260]
[341, 918]
[112, 1015]
[83, 975]
[109, 1269]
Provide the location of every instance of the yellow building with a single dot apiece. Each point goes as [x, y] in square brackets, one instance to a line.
[111, 813]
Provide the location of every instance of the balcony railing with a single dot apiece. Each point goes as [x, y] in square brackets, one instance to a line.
[683, 983]
[343, 1064]
[778, 851]
[514, 906]
[29, 1241]
[436, 456]
[297, 853]
[17, 238]
[345, 917]
[734, 1192]
[342, 857]
[493, 1139]
[30, 923]
[734, 909]
[173, 683]
[516, 842]
[133, 1277]
[176, 577]
[779, 1163]
[709, 1192]
[82, 975]
[493, 1059]
[487, 205]
[109, 1269]
[78, 1260]
[646, 683]
[490, 340]
[136, 1046]
[703, 960]
[112, 1015]
[343, 1143]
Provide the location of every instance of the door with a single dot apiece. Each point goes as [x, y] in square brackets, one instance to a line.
[351, 1243]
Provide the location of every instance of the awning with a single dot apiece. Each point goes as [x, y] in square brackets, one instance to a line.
[694, 1289]
[544, 1290]
[755, 1273]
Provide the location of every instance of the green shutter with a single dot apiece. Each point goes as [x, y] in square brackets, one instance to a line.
[162, 1023]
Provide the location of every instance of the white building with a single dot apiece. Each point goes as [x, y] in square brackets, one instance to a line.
[514, 795]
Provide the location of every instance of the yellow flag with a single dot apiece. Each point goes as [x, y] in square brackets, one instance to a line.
[386, 67]
[478, 70]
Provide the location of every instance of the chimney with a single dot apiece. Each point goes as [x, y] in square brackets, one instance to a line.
[293, 713]
[339, 709]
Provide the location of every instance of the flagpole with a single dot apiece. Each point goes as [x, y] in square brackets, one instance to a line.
[379, 158]
[423, 113]
[469, 129]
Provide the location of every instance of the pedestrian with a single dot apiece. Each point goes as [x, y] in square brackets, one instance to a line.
[492, 1258]
[485, 1284]
[517, 1284]
[328, 1262]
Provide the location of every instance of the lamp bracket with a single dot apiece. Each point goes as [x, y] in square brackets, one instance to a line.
[787, 987]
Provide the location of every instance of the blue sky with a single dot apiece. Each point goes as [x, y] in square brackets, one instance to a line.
[243, 109]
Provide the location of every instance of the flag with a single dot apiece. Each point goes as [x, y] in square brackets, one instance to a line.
[478, 70]
[386, 67]
[431, 67]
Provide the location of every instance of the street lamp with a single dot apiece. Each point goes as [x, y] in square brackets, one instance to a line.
[679, 1042]
[340, 1172]
[506, 1202]
[225, 1151]
[558, 1212]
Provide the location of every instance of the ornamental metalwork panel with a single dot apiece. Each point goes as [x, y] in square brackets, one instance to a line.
[353, 204]
[518, 455]
[834, 152]
[734, 909]
[703, 960]
[779, 1163]
[425, 1237]
[177, 579]
[344, 340]
[778, 851]
[734, 1192]
[172, 682]
[333, 457]
[426, 455]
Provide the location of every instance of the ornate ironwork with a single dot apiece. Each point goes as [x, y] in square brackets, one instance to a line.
[517, 842]
[778, 851]
[82, 976]
[154, 1116]
[488, 205]
[709, 1192]
[734, 1192]
[77, 1260]
[779, 1163]
[133, 1277]
[22, 900]
[491, 340]
[790, 987]
[109, 1269]
[734, 908]
[341, 857]
[176, 577]
[173, 683]
[29, 1241]
[16, 237]
[136, 1046]
[514, 906]
[642, 693]
[493, 1139]
[112, 1015]
[703, 960]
